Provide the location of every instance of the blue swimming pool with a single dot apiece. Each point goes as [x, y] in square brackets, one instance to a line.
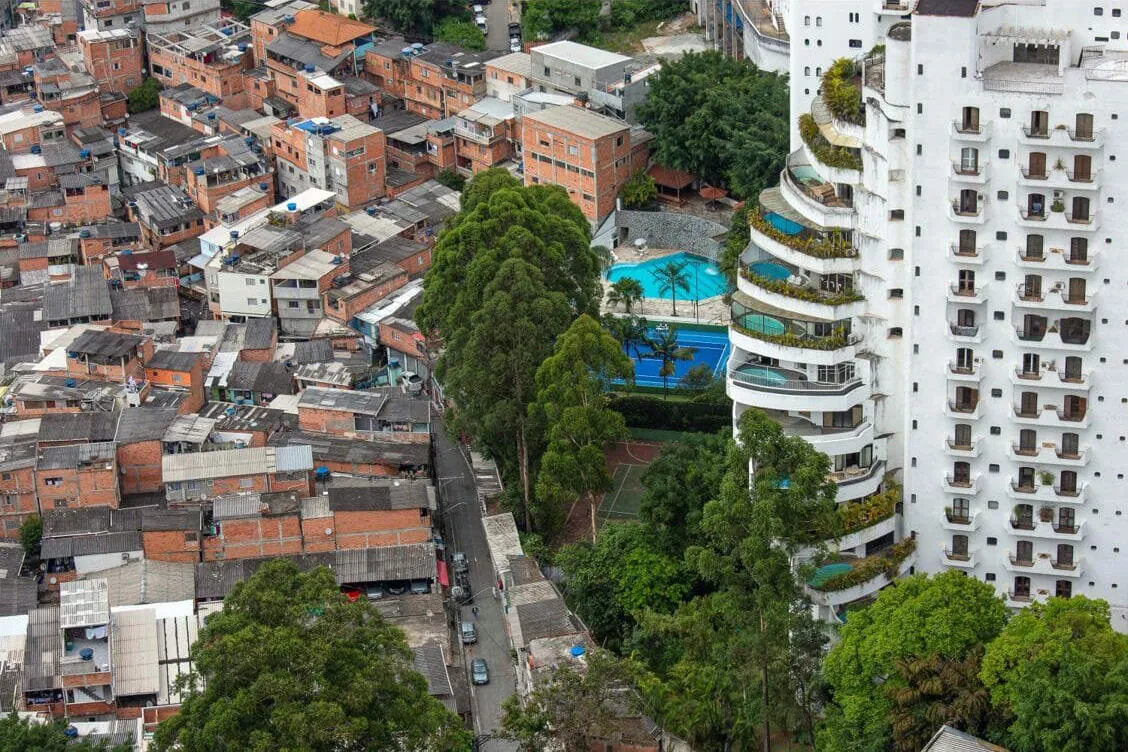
[828, 571]
[763, 375]
[783, 224]
[771, 270]
[704, 277]
[758, 322]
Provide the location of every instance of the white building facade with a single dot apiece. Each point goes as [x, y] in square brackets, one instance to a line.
[930, 293]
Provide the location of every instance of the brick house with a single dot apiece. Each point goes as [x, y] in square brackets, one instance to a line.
[109, 355]
[207, 475]
[390, 514]
[172, 535]
[97, 241]
[372, 458]
[587, 154]
[483, 135]
[351, 295]
[80, 475]
[251, 425]
[252, 526]
[210, 58]
[178, 371]
[17, 483]
[375, 414]
[115, 57]
[153, 269]
[139, 451]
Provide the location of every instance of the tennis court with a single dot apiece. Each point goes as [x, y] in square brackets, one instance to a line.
[711, 348]
[627, 462]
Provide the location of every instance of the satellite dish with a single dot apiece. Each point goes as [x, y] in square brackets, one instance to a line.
[54, 580]
[328, 531]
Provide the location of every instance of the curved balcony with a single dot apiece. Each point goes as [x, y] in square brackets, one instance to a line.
[1048, 494]
[964, 410]
[1057, 298]
[802, 300]
[964, 451]
[958, 255]
[1047, 530]
[830, 440]
[1052, 379]
[861, 537]
[956, 523]
[960, 560]
[839, 590]
[1044, 564]
[782, 389]
[859, 482]
[817, 202]
[966, 335]
[1049, 454]
[965, 295]
[972, 374]
[965, 174]
[1076, 340]
[831, 173]
[1059, 259]
[1050, 416]
[971, 214]
[961, 486]
[762, 329]
[782, 233]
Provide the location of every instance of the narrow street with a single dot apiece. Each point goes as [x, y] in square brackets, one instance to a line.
[499, 14]
[463, 517]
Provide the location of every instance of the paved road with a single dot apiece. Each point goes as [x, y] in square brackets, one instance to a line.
[499, 14]
[465, 533]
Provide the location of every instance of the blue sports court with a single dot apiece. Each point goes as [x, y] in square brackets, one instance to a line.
[712, 349]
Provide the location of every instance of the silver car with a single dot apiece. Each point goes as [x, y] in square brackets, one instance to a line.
[479, 671]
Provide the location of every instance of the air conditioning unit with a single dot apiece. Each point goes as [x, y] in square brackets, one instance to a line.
[1058, 194]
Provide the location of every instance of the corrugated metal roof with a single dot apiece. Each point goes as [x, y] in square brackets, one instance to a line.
[230, 463]
[415, 561]
[107, 343]
[168, 519]
[380, 496]
[368, 403]
[430, 661]
[175, 637]
[89, 545]
[18, 595]
[191, 429]
[133, 640]
[316, 508]
[84, 603]
[41, 656]
[76, 455]
[948, 739]
[234, 507]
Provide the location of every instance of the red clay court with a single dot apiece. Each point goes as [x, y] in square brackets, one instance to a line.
[626, 461]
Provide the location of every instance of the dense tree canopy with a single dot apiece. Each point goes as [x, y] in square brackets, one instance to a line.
[721, 119]
[948, 616]
[20, 735]
[413, 16]
[147, 96]
[289, 663]
[510, 272]
[544, 19]
[461, 32]
[1060, 673]
[676, 487]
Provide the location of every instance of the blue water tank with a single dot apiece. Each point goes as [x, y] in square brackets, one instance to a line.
[234, 234]
[322, 473]
[370, 211]
[288, 19]
[127, 252]
[71, 732]
[229, 411]
[249, 140]
[263, 186]
[291, 206]
[577, 650]
[211, 116]
[84, 153]
[84, 233]
[198, 170]
[309, 68]
[242, 46]
[122, 131]
[37, 108]
[71, 383]
[227, 31]
[36, 149]
[86, 654]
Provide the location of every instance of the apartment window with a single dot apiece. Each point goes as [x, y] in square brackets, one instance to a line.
[53, 482]
[547, 72]
[246, 482]
[818, 21]
[1116, 12]
[619, 141]
[1098, 11]
[856, 43]
[806, 20]
[252, 301]
[806, 70]
[576, 80]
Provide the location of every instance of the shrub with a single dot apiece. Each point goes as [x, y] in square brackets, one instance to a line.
[451, 179]
[640, 411]
[145, 97]
[801, 293]
[830, 155]
[867, 569]
[876, 508]
[841, 96]
[833, 245]
[788, 339]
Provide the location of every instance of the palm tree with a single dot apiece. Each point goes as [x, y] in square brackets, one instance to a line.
[665, 348]
[626, 291]
[630, 331]
[671, 277]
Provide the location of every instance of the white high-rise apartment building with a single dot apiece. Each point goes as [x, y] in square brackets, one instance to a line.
[932, 290]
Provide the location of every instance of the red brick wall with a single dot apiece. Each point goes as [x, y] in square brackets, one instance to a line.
[100, 57]
[345, 308]
[171, 545]
[386, 528]
[314, 538]
[20, 485]
[85, 487]
[141, 462]
[256, 537]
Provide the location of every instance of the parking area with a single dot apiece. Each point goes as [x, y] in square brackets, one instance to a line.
[499, 14]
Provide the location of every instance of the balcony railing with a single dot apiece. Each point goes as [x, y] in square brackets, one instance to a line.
[1067, 529]
[1035, 132]
[1034, 174]
[957, 555]
[955, 482]
[1068, 566]
[959, 447]
[776, 380]
[965, 210]
[1086, 135]
[963, 331]
[1028, 375]
[1078, 219]
[1029, 294]
[958, 250]
[1073, 416]
[963, 407]
[963, 291]
[1079, 177]
[1015, 561]
[1022, 523]
[1024, 451]
[1033, 216]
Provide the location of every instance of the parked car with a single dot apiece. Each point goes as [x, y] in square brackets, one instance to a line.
[480, 22]
[411, 382]
[469, 633]
[459, 563]
[420, 587]
[514, 44]
[374, 592]
[479, 671]
[397, 588]
[478, 9]
[514, 30]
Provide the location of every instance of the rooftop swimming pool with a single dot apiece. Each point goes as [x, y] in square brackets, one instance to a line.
[783, 224]
[706, 280]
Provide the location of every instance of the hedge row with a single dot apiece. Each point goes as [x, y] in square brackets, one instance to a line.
[651, 412]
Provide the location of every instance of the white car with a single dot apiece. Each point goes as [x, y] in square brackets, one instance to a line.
[478, 10]
[480, 22]
[514, 44]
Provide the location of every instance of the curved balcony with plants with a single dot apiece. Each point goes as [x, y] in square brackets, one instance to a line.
[841, 157]
[864, 576]
[841, 92]
[800, 299]
[764, 330]
[781, 238]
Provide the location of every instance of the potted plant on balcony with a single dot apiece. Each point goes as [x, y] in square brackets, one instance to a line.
[1057, 206]
[1046, 514]
[1060, 164]
[1046, 477]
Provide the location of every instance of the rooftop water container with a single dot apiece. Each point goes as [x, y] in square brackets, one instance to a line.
[36, 149]
[322, 473]
[242, 46]
[127, 252]
[263, 186]
[37, 108]
[309, 68]
[71, 383]
[211, 116]
[198, 170]
[234, 234]
[292, 206]
[84, 153]
[84, 233]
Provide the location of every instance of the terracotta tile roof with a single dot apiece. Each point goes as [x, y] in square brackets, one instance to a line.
[327, 28]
